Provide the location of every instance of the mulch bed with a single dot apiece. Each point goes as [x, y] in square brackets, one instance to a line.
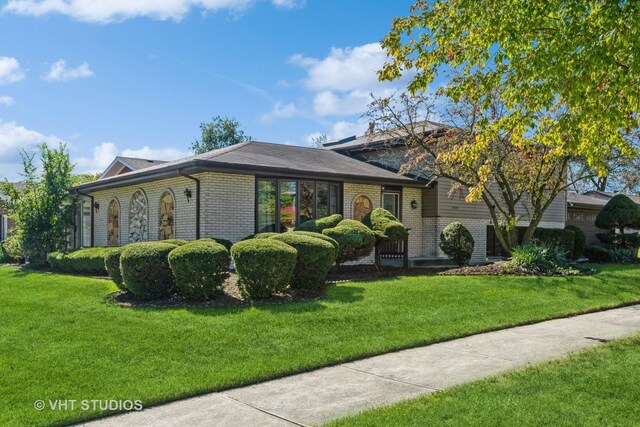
[503, 268]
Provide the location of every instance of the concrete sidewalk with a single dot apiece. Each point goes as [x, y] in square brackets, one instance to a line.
[319, 396]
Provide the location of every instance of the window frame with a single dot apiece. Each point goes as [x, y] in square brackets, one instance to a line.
[298, 181]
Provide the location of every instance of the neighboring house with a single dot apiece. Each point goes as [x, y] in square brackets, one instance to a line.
[254, 187]
[582, 210]
[6, 223]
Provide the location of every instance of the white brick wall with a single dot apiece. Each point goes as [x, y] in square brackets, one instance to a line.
[228, 206]
[351, 191]
[412, 218]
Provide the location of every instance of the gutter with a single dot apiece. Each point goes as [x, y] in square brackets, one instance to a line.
[92, 216]
[197, 181]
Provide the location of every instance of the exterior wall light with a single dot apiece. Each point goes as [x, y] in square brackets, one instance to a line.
[187, 193]
[96, 205]
[414, 204]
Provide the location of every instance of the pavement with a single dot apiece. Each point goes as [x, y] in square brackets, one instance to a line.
[319, 396]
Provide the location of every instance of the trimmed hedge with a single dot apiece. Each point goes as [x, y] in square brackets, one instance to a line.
[320, 224]
[598, 253]
[562, 238]
[112, 265]
[579, 241]
[264, 266]
[145, 269]
[457, 242]
[177, 242]
[321, 236]
[88, 261]
[199, 269]
[619, 212]
[355, 239]
[315, 259]
[382, 221]
[267, 235]
[224, 242]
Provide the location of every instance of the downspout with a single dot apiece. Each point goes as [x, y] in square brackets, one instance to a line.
[92, 216]
[197, 181]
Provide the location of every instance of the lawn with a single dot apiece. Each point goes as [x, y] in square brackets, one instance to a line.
[596, 388]
[61, 340]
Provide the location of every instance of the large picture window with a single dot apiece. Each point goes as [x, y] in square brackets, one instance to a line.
[282, 204]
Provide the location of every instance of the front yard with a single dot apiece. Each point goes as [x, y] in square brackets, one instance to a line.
[61, 340]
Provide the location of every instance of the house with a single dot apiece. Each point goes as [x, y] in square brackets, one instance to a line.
[253, 187]
[6, 223]
[582, 210]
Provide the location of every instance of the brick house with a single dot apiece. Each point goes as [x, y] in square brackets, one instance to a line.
[6, 223]
[253, 187]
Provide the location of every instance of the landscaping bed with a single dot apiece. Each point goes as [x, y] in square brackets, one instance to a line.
[506, 268]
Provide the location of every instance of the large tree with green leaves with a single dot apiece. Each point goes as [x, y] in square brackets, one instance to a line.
[565, 73]
[42, 207]
[219, 133]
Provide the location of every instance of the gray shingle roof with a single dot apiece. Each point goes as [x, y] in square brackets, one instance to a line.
[584, 199]
[139, 163]
[255, 157]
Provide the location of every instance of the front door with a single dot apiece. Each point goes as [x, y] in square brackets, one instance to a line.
[391, 202]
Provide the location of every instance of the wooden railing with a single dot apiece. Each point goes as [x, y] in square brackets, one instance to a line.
[393, 250]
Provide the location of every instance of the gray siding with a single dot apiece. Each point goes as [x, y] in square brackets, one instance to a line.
[430, 201]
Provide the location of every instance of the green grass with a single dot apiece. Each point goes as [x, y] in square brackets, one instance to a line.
[596, 388]
[59, 339]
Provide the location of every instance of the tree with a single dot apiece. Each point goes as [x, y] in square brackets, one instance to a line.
[320, 140]
[219, 133]
[507, 177]
[42, 208]
[564, 69]
[620, 212]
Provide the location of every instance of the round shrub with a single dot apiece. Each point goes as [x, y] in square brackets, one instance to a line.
[199, 269]
[457, 242]
[87, 261]
[620, 212]
[355, 239]
[564, 239]
[177, 242]
[145, 269]
[315, 259]
[321, 236]
[317, 225]
[112, 265]
[224, 242]
[598, 253]
[389, 228]
[579, 240]
[267, 235]
[264, 266]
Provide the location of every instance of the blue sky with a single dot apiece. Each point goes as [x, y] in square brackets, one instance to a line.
[137, 77]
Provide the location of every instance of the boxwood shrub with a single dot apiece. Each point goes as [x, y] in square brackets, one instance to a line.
[199, 269]
[333, 242]
[224, 242]
[145, 269]
[317, 225]
[315, 259]
[385, 224]
[564, 239]
[355, 239]
[579, 240]
[264, 266]
[267, 235]
[177, 242]
[88, 261]
[598, 253]
[112, 265]
[457, 242]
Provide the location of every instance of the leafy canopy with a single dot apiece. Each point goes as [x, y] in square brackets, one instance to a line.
[567, 70]
[219, 133]
[620, 212]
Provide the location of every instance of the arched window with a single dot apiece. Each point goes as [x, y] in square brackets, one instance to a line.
[138, 218]
[361, 206]
[167, 216]
[113, 223]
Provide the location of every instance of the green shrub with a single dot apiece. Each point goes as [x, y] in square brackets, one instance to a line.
[321, 236]
[540, 258]
[5, 258]
[598, 253]
[620, 212]
[88, 261]
[317, 225]
[623, 255]
[267, 235]
[562, 238]
[315, 259]
[354, 238]
[199, 269]
[382, 221]
[627, 240]
[457, 242]
[224, 242]
[112, 265]
[579, 241]
[145, 269]
[177, 242]
[264, 266]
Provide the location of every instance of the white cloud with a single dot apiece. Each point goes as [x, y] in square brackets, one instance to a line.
[10, 71]
[120, 10]
[279, 111]
[104, 154]
[6, 101]
[345, 129]
[343, 69]
[60, 73]
[14, 138]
